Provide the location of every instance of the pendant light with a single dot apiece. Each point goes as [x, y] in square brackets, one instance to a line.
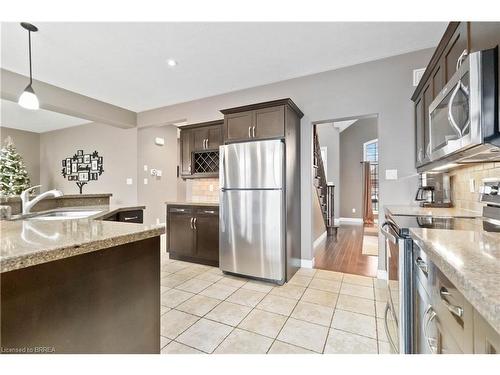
[28, 98]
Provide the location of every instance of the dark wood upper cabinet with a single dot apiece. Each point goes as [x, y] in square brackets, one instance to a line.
[257, 121]
[195, 139]
[419, 131]
[458, 37]
[238, 126]
[186, 145]
[214, 137]
[200, 138]
[270, 122]
[458, 43]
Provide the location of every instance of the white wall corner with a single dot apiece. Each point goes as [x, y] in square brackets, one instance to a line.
[307, 263]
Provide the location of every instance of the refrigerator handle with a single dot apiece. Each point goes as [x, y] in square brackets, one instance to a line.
[221, 166]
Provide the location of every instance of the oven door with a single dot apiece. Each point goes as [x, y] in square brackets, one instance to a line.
[399, 305]
[454, 116]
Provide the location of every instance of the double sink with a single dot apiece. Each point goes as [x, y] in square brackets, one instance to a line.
[66, 215]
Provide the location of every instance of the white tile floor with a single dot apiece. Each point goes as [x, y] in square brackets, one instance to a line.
[205, 311]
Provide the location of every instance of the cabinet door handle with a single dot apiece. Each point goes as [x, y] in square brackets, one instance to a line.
[386, 327]
[455, 310]
[461, 58]
[207, 143]
[249, 132]
[130, 218]
[422, 265]
[191, 223]
[431, 342]
[253, 131]
[209, 212]
[194, 223]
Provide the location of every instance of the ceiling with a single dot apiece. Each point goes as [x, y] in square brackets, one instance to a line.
[125, 63]
[40, 121]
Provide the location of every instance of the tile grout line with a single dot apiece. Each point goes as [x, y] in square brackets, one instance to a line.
[252, 308]
[333, 314]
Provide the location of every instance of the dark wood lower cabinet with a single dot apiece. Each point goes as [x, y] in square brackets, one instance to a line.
[193, 234]
[105, 301]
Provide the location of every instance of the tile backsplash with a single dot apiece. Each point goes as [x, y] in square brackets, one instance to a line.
[203, 190]
[460, 178]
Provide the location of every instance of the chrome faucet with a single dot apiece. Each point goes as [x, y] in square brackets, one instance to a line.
[28, 204]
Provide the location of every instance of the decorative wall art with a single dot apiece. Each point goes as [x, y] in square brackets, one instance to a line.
[82, 168]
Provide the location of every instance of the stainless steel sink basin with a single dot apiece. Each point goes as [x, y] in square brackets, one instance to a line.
[65, 215]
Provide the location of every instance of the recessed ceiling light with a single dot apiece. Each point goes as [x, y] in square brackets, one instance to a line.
[171, 62]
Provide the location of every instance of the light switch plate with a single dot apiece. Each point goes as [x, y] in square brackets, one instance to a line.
[159, 141]
[145, 181]
[391, 174]
[145, 168]
[130, 181]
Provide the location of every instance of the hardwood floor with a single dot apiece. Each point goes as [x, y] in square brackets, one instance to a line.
[343, 253]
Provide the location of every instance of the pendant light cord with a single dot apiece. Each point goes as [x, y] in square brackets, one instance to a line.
[29, 49]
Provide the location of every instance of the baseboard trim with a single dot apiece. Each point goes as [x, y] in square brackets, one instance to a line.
[382, 274]
[336, 222]
[350, 220]
[307, 263]
[318, 240]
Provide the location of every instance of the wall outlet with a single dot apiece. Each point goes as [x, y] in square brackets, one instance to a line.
[159, 141]
[157, 220]
[145, 181]
[130, 181]
[391, 174]
[155, 172]
[145, 168]
[152, 171]
[158, 172]
[472, 185]
[353, 210]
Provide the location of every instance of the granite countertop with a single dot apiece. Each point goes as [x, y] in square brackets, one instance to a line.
[28, 242]
[430, 211]
[471, 260]
[191, 203]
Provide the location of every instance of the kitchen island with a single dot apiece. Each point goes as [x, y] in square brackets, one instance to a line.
[79, 286]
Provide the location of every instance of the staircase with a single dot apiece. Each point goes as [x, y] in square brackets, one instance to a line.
[324, 190]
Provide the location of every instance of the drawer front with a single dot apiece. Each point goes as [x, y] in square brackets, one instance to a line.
[454, 311]
[423, 268]
[211, 211]
[135, 216]
[180, 209]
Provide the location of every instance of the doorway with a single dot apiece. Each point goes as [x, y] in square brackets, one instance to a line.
[349, 149]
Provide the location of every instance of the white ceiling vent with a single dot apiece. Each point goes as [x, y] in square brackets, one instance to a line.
[417, 75]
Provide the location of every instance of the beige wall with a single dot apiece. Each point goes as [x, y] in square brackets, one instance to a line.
[382, 87]
[351, 172]
[118, 147]
[461, 196]
[28, 146]
[158, 190]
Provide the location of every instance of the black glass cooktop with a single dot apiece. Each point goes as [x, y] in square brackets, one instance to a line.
[404, 223]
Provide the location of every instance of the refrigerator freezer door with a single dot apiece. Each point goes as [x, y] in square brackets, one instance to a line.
[252, 165]
[251, 233]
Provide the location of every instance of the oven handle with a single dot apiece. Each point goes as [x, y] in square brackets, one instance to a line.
[388, 234]
[386, 327]
[431, 315]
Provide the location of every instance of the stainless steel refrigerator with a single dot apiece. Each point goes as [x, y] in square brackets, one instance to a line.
[251, 214]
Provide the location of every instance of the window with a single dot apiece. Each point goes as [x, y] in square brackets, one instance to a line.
[370, 153]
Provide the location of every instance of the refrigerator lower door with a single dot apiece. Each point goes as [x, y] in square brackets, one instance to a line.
[252, 165]
[251, 240]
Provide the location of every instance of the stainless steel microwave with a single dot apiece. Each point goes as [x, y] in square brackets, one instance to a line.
[463, 118]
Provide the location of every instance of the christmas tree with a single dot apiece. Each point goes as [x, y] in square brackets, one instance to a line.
[13, 175]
